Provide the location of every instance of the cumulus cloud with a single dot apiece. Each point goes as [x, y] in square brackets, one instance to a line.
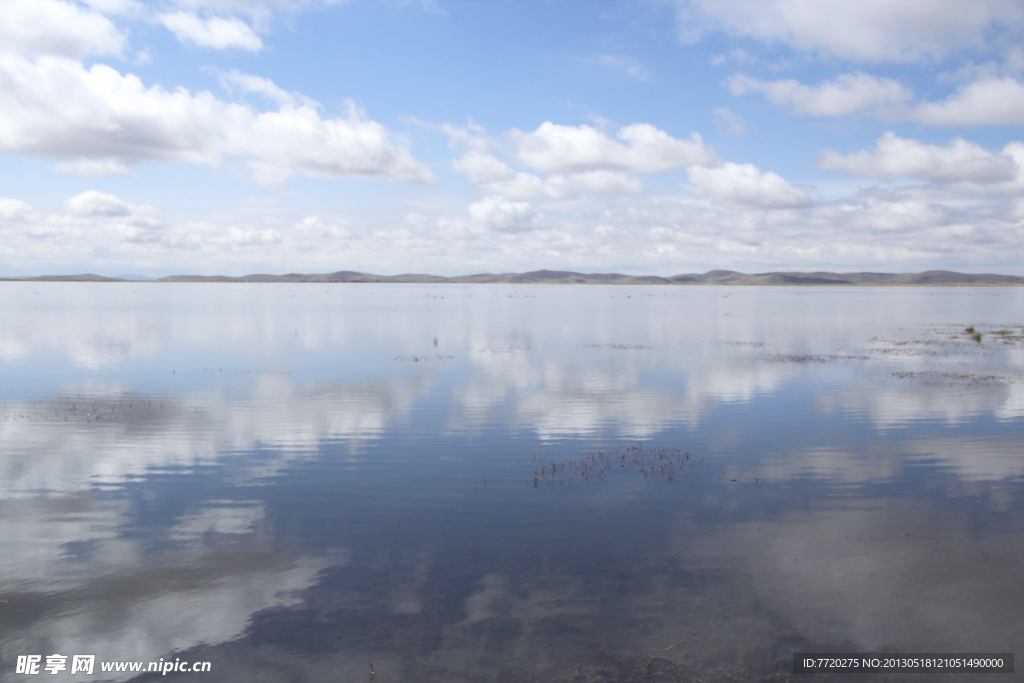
[639, 147]
[872, 30]
[51, 27]
[530, 186]
[482, 167]
[958, 161]
[69, 29]
[126, 223]
[579, 161]
[845, 94]
[91, 222]
[257, 9]
[93, 167]
[747, 184]
[241, 237]
[94, 203]
[316, 234]
[1011, 64]
[903, 228]
[13, 210]
[990, 101]
[57, 108]
[259, 85]
[113, 6]
[498, 213]
[214, 32]
[472, 136]
[1011, 184]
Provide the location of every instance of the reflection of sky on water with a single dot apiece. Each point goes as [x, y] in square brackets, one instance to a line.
[249, 471]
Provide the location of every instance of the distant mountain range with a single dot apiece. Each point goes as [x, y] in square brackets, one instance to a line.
[712, 277]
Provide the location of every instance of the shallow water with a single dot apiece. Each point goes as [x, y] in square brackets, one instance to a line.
[508, 483]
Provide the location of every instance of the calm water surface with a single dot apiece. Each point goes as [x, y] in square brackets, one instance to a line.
[502, 483]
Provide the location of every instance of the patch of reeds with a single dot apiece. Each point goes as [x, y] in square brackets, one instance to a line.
[671, 463]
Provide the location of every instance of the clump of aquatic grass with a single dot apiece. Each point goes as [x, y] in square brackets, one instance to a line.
[1003, 332]
[975, 335]
[671, 463]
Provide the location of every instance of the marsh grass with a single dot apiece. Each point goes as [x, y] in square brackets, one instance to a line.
[671, 463]
[811, 358]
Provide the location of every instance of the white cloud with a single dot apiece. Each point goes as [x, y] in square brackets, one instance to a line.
[314, 234]
[845, 94]
[1012, 64]
[630, 66]
[747, 184]
[472, 136]
[958, 161]
[59, 109]
[93, 203]
[93, 167]
[214, 32]
[41, 27]
[482, 167]
[113, 6]
[248, 237]
[873, 30]
[1011, 185]
[903, 228]
[639, 147]
[525, 186]
[728, 122]
[738, 55]
[530, 186]
[260, 86]
[990, 101]
[498, 213]
[93, 212]
[603, 182]
[258, 9]
[581, 160]
[91, 220]
[13, 210]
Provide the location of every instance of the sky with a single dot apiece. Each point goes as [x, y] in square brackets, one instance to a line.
[457, 136]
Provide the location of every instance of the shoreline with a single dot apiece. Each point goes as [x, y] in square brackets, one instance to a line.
[511, 282]
[931, 278]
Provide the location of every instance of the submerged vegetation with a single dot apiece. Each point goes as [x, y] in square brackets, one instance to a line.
[670, 463]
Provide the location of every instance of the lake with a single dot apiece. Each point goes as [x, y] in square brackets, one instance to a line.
[339, 482]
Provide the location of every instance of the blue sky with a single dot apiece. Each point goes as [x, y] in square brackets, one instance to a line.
[455, 137]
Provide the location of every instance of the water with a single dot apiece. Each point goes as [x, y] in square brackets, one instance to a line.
[507, 483]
